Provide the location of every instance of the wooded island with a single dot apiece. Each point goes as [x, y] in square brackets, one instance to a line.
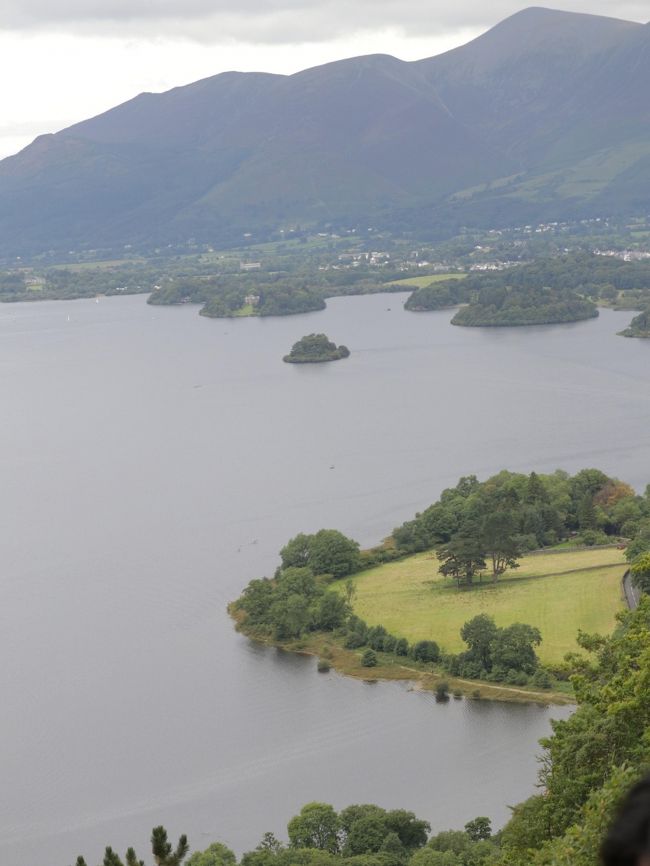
[315, 349]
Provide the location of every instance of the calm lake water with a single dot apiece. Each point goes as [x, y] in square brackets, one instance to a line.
[152, 462]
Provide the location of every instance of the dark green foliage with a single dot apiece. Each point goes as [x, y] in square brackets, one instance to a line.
[315, 348]
[462, 558]
[513, 648]
[478, 633]
[331, 612]
[442, 691]
[425, 651]
[544, 291]
[641, 572]
[498, 654]
[591, 755]
[456, 848]
[12, 285]
[215, 855]
[369, 659]
[438, 295]
[479, 829]
[323, 666]
[317, 826]
[164, 854]
[509, 513]
[639, 326]
[291, 604]
[401, 647]
[326, 552]
[542, 679]
[512, 307]
[376, 637]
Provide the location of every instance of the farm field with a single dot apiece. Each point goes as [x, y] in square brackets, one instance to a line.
[559, 593]
[420, 282]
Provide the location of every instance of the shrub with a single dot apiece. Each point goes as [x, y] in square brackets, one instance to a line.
[369, 659]
[426, 651]
[323, 666]
[355, 640]
[375, 639]
[542, 679]
[389, 643]
[591, 537]
[515, 678]
[442, 691]
[402, 647]
[458, 694]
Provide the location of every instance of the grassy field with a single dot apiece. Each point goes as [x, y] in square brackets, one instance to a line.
[557, 592]
[420, 282]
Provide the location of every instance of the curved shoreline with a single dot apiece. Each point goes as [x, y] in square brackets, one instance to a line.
[390, 668]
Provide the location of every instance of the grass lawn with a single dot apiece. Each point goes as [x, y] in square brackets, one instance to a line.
[420, 282]
[557, 592]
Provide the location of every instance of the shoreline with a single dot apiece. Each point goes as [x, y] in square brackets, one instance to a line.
[391, 668]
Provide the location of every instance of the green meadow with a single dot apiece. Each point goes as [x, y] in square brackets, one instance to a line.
[559, 593]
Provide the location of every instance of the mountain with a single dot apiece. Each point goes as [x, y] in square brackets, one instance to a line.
[547, 113]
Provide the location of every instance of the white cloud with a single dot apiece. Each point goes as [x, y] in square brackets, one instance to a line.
[286, 21]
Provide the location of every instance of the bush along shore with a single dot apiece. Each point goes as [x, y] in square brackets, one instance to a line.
[477, 531]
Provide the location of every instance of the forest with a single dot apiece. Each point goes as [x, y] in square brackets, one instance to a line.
[547, 290]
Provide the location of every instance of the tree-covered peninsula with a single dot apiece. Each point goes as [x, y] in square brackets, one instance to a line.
[544, 291]
[484, 598]
[315, 349]
[490, 302]
[639, 326]
[509, 307]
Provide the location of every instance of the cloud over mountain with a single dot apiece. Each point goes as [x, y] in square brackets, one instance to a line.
[284, 21]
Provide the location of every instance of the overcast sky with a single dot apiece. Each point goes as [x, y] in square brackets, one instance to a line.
[64, 60]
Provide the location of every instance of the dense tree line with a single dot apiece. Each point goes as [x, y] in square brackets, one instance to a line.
[293, 285]
[591, 757]
[524, 306]
[584, 273]
[12, 284]
[499, 519]
[359, 835]
[553, 289]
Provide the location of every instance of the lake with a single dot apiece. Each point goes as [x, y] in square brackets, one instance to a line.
[154, 461]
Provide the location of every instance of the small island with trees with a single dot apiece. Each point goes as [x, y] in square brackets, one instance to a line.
[315, 349]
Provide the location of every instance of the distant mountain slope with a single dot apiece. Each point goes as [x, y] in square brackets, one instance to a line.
[548, 110]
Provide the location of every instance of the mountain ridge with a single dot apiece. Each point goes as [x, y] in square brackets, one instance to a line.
[548, 109]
